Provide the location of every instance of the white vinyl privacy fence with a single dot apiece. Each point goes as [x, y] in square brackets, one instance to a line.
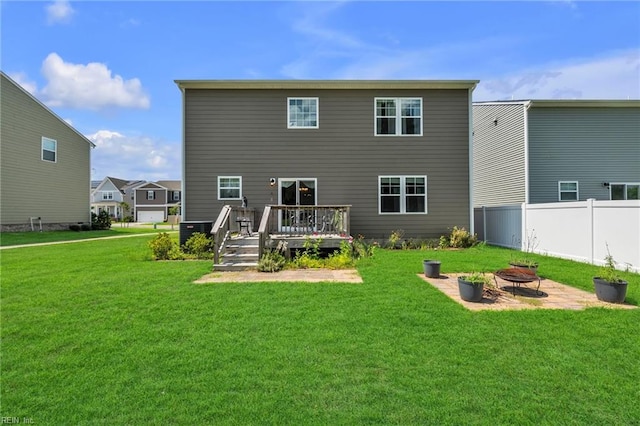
[579, 230]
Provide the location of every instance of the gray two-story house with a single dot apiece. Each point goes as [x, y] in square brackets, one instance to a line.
[395, 153]
[153, 200]
[45, 165]
[544, 151]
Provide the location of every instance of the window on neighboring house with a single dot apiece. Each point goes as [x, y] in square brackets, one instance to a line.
[49, 150]
[625, 191]
[398, 117]
[176, 195]
[403, 194]
[107, 195]
[151, 195]
[302, 113]
[567, 191]
[229, 187]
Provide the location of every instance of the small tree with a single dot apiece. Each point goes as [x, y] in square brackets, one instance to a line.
[101, 220]
[124, 208]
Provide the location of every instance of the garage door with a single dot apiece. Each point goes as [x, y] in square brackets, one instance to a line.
[151, 216]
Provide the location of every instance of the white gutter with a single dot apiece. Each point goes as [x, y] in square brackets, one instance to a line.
[471, 215]
[527, 105]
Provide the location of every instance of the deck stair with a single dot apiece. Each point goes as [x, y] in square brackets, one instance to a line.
[240, 252]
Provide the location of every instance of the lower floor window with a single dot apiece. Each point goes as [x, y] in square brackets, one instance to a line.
[625, 191]
[568, 191]
[229, 187]
[402, 194]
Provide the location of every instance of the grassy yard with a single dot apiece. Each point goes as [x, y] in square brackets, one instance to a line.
[18, 238]
[97, 333]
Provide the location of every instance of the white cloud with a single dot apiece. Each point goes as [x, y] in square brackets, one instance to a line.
[134, 157]
[613, 76]
[22, 79]
[90, 86]
[59, 12]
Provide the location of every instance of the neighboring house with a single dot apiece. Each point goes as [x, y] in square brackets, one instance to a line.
[396, 152]
[109, 195]
[543, 151]
[154, 199]
[45, 165]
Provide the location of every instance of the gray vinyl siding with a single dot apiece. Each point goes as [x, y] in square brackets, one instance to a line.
[587, 145]
[498, 154]
[57, 192]
[244, 133]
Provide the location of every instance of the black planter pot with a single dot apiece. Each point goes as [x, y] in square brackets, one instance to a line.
[431, 268]
[612, 292]
[470, 292]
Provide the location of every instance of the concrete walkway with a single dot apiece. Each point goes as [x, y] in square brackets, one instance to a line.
[553, 295]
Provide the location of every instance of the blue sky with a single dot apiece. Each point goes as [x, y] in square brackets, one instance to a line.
[108, 68]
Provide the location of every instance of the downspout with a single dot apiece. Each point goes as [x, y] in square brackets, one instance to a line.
[470, 126]
[183, 194]
[527, 105]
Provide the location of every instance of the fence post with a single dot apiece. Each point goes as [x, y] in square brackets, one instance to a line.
[484, 223]
[590, 231]
[524, 227]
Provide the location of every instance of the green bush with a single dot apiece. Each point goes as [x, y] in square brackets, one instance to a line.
[162, 246]
[101, 221]
[271, 261]
[458, 238]
[199, 245]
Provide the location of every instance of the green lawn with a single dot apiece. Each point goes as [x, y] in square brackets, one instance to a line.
[18, 238]
[97, 333]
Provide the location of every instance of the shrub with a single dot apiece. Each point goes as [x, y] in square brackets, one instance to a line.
[199, 245]
[100, 221]
[395, 238]
[85, 227]
[74, 228]
[271, 261]
[459, 238]
[162, 245]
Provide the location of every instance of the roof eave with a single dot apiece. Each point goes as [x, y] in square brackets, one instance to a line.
[326, 84]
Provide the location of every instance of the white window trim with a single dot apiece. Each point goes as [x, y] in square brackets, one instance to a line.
[398, 116]
[560, 191]
[175, 195]
[152, 193]
[403, 195]
[290, 126]
[105, 195]
[625, 188]
[42, 150]
[240, 187]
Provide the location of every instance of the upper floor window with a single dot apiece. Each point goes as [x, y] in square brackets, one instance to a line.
[107, 195]
[402, 194]
[49, 150]
[302, 113]
[567, 191]
[229, 187]
[176, 195]
[398, 117]
[625, 191]
[151, 195]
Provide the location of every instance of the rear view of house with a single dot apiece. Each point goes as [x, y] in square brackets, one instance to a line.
[45, 170]
[395, 153]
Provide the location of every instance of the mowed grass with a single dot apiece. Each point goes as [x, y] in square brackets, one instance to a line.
[19, 238]
[97, 333]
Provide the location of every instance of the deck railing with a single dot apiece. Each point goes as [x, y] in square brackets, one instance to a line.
[285, 221]
[229, 220]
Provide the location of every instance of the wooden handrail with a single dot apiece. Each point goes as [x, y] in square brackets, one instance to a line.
[262, 230]
[220, 231]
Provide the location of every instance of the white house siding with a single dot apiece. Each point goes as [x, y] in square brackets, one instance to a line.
[244, 133]
[498, 154]
[590, 145]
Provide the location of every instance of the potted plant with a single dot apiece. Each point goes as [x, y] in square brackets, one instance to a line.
[610, 287]
[471, 286]
[431, 268]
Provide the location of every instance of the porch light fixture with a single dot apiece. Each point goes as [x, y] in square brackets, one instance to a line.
[605, 184]
[495, 122]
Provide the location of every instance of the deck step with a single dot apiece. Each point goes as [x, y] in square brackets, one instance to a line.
[231, 266]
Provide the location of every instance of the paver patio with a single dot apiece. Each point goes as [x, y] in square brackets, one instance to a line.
[553, 295]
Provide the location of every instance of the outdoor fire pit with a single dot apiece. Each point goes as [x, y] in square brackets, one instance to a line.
[518, 276]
